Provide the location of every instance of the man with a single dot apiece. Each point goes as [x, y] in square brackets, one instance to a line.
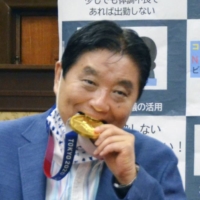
[101, 75]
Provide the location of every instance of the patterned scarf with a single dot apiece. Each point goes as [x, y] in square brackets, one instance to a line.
[84, 146]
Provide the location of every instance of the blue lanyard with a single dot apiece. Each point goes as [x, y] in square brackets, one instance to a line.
[69, 151]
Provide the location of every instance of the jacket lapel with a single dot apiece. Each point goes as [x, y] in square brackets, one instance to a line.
[31, 156]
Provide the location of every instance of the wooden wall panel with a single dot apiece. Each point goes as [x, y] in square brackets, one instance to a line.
[8, 11]
[39, 40]
[26, 87]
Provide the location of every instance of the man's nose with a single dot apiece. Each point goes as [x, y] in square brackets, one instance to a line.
[100, 101]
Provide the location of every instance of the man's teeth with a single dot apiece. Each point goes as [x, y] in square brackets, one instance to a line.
[81, 113]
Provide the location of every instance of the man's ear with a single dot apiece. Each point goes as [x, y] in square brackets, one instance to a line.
[58, 73]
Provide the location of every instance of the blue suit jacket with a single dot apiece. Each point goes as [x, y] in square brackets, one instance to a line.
[22, 148]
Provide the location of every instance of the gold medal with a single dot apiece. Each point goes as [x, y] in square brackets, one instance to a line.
[84, 126]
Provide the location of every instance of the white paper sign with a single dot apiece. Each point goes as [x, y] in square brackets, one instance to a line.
[159, 81]
[196, 150]
[77, 10]
[171, 130]
[193, 68]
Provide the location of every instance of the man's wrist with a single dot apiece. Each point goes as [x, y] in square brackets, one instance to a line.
[119, 186]
[116, 184]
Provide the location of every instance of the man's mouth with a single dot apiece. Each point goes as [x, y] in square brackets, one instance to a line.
[81, 113]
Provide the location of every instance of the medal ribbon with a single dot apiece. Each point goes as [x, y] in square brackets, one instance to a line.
[69, 151]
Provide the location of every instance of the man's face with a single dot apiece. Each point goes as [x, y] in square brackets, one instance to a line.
[101, 85]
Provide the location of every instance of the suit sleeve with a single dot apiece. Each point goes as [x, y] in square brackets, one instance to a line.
[146, 187]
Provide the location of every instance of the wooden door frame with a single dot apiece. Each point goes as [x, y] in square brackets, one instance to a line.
[23, 99]
[8, 13]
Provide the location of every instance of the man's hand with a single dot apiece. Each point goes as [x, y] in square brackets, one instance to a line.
[116, 147]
